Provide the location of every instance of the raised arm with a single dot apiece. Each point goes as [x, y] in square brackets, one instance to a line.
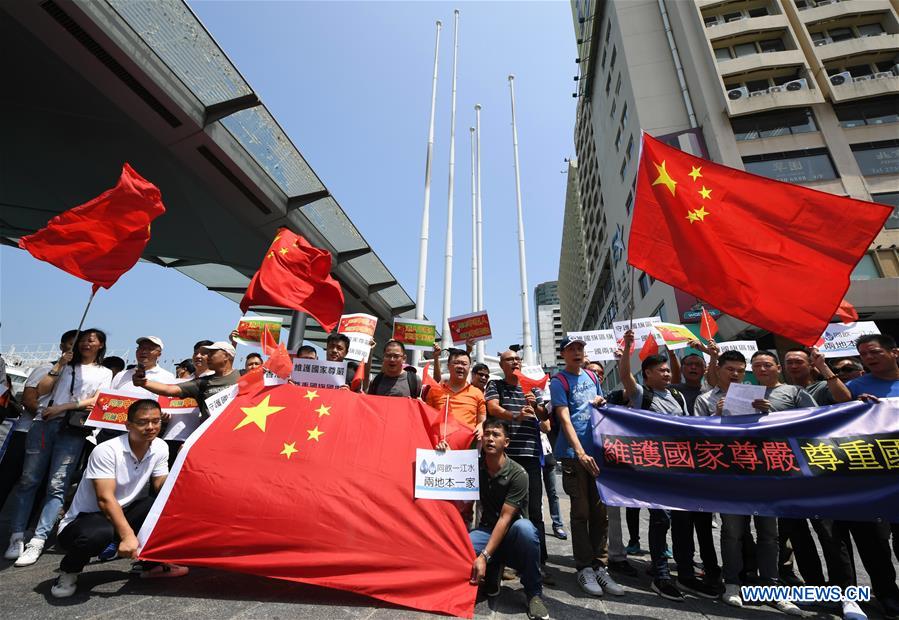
[627, 379]
[837, 388]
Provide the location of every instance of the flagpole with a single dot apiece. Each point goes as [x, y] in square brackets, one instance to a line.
[425, 213]
[448, 260]
[84, 316]
[474, 229]
[523, 270]
[479, 355]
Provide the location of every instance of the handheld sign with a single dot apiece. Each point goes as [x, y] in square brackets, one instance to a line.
[111, 411]
[318, 373]
[251, 328]
[452, 474]
[469, 327]
[601, 344]
[415, 334]
[360, 329]
[839, 338]
[642, 329]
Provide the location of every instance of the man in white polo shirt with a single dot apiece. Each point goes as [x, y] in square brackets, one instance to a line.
[149, 349]
[112, 502]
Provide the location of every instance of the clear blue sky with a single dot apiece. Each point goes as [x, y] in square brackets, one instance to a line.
[350, 84]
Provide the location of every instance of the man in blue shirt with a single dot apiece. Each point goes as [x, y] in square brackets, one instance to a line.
[880, 355]
[575, 392]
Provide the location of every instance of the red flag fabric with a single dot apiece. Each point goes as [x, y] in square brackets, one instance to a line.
[295, 274]
[279, 362]
[315, 486]
[268, 342]
[527, 384]
[358, 377]
[847, 313]
[650, 347]
[708, 327]
[773, 254]
[427, 381]
[101, 239]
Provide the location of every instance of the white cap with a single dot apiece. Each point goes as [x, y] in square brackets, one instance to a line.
[224, 346]
[154, 339]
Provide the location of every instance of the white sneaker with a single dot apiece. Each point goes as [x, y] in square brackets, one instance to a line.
[851, 611]
[731, 595]
[787, 607]
[65, 585]
[586, 578]
[604, 579]
[32, 552]
[16, 546]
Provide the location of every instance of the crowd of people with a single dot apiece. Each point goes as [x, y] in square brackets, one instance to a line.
[524, 436]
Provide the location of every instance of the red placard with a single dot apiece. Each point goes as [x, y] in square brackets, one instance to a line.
[178, 405]
[469, 327]
[110, 411]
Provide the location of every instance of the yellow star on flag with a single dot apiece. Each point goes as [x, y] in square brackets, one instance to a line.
[695, 172]
[276, 238]
[257, 415]
[284, 251]
[314, 434]
[270, 255]
[701, 213]
[289, 449]
[705, 193]
[311, 395]
[664, 178]
[323, 410]
[692, 216]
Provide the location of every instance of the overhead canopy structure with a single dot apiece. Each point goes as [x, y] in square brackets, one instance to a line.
[90, 85]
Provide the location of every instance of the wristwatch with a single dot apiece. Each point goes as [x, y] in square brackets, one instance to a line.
[486, 555]
[53, 374]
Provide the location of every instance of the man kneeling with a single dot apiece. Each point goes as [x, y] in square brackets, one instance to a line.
[505, 536]
[111, 502]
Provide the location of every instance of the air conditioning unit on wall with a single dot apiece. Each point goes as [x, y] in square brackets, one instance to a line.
[800, 84]
[839, 79]
[738, 93]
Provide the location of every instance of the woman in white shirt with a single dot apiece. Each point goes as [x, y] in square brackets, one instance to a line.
[56, 439]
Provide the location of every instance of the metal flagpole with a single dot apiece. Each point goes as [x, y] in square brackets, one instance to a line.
[474, 230]
[448, 260]
[425, 213]
[479, 355]
[525, 310]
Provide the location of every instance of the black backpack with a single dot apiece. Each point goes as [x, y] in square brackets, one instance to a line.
[411, 377]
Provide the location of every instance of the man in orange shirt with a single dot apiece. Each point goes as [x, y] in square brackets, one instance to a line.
[464, 401]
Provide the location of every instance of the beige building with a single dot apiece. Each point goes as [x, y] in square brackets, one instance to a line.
[802, 91]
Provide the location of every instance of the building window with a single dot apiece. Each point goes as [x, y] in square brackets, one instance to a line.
[840, 34]
[866, 269]
[612, 111]
[868, 112]
[723, 53]
[624, 116]
[772, 124]
[759, 12]
[644, 285]
[870, 30]
[660, 312]
[623, 168]
[618, 85]
[892, 199]
[876, 158]
[605, 55]
[608, 29]
[630, 202]
[772, 45]
[614, 58]
[794, 167]
[630, 148]
[609, 84]
[745, 49]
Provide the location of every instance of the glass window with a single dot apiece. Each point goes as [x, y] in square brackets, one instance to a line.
[771, 124]
[870, 30]
[614, 57]
[868, 112]
[605, 55]
[866, 269]
[612, 111]
[644, 284]
[772, 45]
[624, 116]
[618, 85]
[759, 12]
[818, 36]
[876, 158]
[608, 83]
[630, 148]
[754, 85]
[618, 140]
[732, 17]
[859, 70]
[660, 312]
[794, 167]
[711, 20]
[623, 168]
[892, 199]
[745, 49]
[629, 203]
[840, 34]
[723, 53]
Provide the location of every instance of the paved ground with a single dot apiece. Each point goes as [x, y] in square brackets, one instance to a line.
[105, 591]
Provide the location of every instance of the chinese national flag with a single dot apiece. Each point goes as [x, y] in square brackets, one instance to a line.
[316, 486]
[770, 253]
[847, 313]
[294, 274]
[527, 384]
[101, 239]
[650, 347]
[708, 327]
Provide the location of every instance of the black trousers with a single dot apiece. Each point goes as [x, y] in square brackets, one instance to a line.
[795, 537]
[836, 545]
[633, 525]
[873, 542]
[683, 525]
[532, 466]
[11, 465]
[91, 532]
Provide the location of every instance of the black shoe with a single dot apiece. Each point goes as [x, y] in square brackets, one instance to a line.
[493, 579]
[890, 608]
[715, 583]
[697, 587]
[623, 567]
[559, 532]
[666, 589]
[789, 578]
[546, 576]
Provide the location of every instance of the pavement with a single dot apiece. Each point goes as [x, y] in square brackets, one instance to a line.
[106, 591]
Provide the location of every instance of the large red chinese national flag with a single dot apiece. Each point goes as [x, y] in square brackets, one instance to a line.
[295, 274]
[101, 239]
[316, 486]
[770, 253]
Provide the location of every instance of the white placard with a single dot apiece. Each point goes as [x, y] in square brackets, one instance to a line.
[452, 474]
[642, 328]
[180, 427]
[216, 403]
[360, 329]
[746, 347]
[839, 339]
[601, 344]
[318, 373]
[269, 378]
[739, 398]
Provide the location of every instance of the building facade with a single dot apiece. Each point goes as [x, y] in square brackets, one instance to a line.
[549, 325]
[802, 91]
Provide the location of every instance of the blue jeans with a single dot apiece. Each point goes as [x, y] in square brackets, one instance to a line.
[47, 449]
[659, 522]
[519, 549]
[552, 496]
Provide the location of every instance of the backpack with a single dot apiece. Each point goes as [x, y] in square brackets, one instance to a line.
[564, 381]
[411, 377]
[648, 395]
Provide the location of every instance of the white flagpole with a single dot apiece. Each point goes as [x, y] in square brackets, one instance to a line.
[525, 309]
[425, 213]
[477, 109]
[474, 229]
[448, 260]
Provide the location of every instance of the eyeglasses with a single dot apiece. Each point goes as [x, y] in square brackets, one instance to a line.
[151, 422]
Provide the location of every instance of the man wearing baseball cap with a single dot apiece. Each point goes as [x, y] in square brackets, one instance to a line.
[149, 349]
[220, 359]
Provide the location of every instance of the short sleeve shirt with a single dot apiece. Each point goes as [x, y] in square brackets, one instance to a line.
[382, 385]
[467, 405]
[31, 382]
[582, 390]
[784, 397]
[820, 391]
[524, 434]
[89, 379]
[662, 401]
[707, 403]
[869, 384]
[508, 486]
[207, 386]
[122, 383]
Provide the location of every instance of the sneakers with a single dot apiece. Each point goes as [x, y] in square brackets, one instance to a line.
[559, 532]
[851, 611]
[32, 552]
[605, 581]
[509, 574]
[731, 595]
[666, 589]
[16, 546]
[624, 567]
[110, 553]
[668, 553]
[633, 548]
[546, 576]
[537, 609]
[789, 578]
[698, 587]
[65, 585]
[787, 607]
[586, 578]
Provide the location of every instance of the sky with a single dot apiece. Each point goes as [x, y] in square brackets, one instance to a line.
[350, 83]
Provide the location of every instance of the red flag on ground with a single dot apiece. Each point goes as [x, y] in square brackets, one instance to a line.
[847, 313]
[294, 274]
[273, 486]
[708, 327]
[770, 253]
[650, 347]
[101, 239]
[527, 384]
